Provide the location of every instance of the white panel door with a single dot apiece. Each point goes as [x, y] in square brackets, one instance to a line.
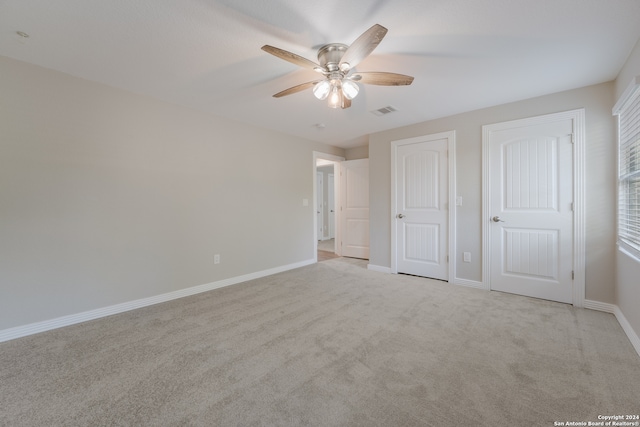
[332, 205]
[421, 208]
[531, 210]
[320, 197]
[355, 208]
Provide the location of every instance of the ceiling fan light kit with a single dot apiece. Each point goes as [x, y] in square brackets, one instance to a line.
[337, 64]
[336, 90]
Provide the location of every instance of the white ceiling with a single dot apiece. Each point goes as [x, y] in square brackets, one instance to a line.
[205, 54]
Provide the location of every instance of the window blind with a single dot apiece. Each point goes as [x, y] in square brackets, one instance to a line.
[629, 167]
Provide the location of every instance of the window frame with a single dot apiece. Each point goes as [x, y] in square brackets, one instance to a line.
[627, 111]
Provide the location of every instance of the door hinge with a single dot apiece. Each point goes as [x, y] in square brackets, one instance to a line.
[573, 138]
[573, 276]
[572, 208]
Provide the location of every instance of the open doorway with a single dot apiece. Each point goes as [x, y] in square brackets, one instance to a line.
[326, 172]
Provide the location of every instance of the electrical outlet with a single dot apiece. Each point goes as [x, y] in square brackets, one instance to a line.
[466, 256]
[216, 259]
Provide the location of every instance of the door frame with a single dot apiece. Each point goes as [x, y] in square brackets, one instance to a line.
[317, 155]
[579, 241]
[320, 204]
[451, 227]
[331, 197]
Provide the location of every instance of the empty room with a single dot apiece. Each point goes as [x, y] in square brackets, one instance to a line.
[288, 213]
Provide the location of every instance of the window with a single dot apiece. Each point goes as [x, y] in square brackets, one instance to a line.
[628, 111]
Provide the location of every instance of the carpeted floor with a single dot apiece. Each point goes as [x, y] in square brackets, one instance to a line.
[330, 344]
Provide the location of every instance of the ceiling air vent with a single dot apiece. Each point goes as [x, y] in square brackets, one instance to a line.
[384, 110]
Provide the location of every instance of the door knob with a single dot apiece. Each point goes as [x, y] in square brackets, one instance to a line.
[400, 216]
[496, 219]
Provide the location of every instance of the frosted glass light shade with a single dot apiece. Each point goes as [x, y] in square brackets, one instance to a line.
[322, 89]
[349, 89]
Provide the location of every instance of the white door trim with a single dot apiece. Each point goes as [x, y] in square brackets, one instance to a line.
[331, 199]
[320, 203]
[579, 241]
[336, 170]
[451, 155]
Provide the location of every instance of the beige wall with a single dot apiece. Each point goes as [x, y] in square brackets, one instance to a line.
[356, 153]
[630, 70]
[628, 268]
[600, 165]
[107, 196]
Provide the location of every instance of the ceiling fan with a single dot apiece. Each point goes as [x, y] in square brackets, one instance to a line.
[336, 63]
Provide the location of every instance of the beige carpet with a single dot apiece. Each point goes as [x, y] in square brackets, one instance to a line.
[331, 344]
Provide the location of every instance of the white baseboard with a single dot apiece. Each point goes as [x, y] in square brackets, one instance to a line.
[47, 325]
[626, 326]
[624, 323]
[469, 283]
[379, 268]
[599, 306]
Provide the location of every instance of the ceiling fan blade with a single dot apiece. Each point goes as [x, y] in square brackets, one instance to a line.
[362, 47]
[291, 57]
[296, 89]
[382, 79]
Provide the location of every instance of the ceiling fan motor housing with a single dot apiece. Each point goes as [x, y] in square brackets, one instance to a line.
[329, 56]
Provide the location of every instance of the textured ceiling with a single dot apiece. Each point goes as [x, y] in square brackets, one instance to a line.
[205, 54]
